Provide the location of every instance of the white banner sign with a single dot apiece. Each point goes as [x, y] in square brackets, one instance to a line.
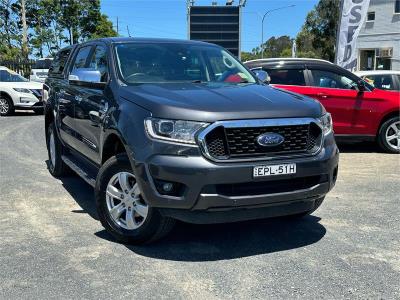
[353, 13]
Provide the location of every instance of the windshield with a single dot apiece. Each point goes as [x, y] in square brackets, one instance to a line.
[10, 76]
[176, 62]
[43, 64]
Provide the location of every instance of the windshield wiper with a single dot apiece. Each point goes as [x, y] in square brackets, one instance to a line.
[197, 81]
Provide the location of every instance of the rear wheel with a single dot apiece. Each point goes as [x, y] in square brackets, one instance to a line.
[55, 150]
[121, 207]
[6, 106]
[389, 135]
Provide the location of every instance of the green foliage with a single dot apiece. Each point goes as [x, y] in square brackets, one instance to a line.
[51, 23]
[321, 27]
[317, 38]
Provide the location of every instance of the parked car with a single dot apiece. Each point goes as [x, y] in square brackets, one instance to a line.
[384, 80]
[17, 92]
[165, 130]
[359, 110]
[40, 69]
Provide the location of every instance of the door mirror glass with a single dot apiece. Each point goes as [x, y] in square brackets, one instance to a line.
[86, 75]
[262, 75]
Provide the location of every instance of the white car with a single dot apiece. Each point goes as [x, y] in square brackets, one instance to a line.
[382, 79]
[17, 92]
[40, 69]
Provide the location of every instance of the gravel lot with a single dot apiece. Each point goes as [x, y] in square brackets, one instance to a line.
[52, 246]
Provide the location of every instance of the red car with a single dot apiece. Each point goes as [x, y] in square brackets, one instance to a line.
[359, 110]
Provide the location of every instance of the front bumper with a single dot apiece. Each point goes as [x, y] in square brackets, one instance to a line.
[222, 192]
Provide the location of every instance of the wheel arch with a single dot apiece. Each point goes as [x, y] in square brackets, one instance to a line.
[6, 95]
[113, 145]
[387, 116]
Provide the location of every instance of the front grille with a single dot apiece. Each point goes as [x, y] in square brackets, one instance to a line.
[241, 142]
[269, 187]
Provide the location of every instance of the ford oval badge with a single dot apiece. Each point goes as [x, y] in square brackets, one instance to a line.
[270, 139]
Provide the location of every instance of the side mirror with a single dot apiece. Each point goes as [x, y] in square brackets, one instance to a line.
[361, 86]
[262, 75]
[86, 77]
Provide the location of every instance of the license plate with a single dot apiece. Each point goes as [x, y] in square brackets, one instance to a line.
[261, 171]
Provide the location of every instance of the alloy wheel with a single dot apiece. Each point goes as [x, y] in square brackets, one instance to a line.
[393, 135]
[4, 106]
[52, 145]
[125, 204]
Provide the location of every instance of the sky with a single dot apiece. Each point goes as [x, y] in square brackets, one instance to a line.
[167, 18]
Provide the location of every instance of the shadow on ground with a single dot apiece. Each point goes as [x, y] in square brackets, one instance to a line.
[189, 242]
[359, 147]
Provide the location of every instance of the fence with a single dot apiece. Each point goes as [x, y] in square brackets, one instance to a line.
[22, 67]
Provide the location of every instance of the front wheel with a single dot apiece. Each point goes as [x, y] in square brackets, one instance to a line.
[389, 135]
[121, 207]
[6, 106]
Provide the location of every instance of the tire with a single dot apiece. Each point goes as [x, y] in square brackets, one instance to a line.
[146, 224]
[317, 204]
[56, 166]
[391, 128]
[39, 111]
[6, 106]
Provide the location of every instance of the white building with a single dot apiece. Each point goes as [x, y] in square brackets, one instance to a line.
[379, 41]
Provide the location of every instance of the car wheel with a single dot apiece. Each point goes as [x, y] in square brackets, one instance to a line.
[6, 106]
[317, 203]
[55, 150]
[389, 135]
[121, 207]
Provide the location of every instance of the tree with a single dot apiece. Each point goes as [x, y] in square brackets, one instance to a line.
[321, 26]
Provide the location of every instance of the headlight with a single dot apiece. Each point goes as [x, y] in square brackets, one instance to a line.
[21, 90]
[173, 130]
[326, 122]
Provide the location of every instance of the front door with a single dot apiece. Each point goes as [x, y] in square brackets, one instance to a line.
[91, 105]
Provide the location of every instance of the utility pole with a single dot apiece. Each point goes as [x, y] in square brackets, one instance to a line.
[71, 35]
[24, 31]
[117, 26]
[262, 25]
[127, 28]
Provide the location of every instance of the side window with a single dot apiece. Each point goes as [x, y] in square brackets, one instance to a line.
[286, 77]
[81, 58]
[58, 65]
[99, 62]
[327, 79]
[384, 82]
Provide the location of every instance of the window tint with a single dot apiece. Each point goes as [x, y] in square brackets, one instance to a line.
[6, 76]
[397, 7]
[384, 82]
[99, 62]
[371, 16]
[327, 79]
[81, 58]
[58, 65]
[287, 77]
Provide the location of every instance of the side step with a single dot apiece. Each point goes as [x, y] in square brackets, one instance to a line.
[76, 166]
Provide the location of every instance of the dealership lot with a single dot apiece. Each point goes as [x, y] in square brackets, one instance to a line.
[51, 244]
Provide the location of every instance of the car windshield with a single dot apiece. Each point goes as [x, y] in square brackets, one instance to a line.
[10, 76]
[178, 62]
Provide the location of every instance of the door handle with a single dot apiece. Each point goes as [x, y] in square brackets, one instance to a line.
[322, 95]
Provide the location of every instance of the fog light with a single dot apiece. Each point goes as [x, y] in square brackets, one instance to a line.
[167, 187]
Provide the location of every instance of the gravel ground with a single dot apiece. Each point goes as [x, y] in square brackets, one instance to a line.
[52, 246]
